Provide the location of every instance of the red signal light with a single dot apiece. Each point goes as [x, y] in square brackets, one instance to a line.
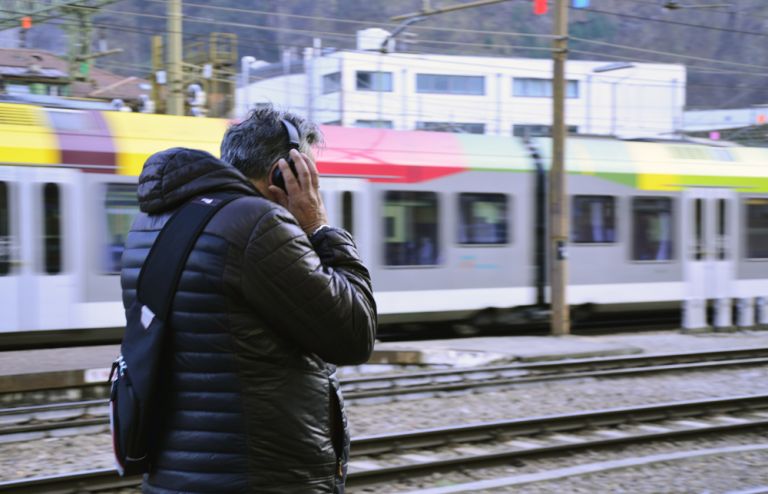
[539, 7]
[26, 22]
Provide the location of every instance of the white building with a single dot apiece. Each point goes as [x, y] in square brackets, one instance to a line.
[503, 96]
[724, 119]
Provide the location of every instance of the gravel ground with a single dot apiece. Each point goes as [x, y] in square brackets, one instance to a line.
[56, 455]
[728, 473]
[553, 398]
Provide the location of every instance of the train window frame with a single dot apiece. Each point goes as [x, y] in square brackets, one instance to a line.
[52, 238]
[746, 206]
[614, 227]
[7, 244]
[108, 263]
[673, 257]
[506, 216]
[393, 195]
[348, 211]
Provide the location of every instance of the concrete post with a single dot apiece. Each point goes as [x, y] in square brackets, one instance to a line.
[723, 313]
[745, 312]
[694, 314]
[761, 304]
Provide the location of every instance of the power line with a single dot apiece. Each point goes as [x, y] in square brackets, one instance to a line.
[430, 58]
[353, 21]
[658, 52]
[729, 12]
[675, 23]
[345, 36]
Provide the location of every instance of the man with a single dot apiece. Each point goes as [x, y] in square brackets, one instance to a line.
[269, 299]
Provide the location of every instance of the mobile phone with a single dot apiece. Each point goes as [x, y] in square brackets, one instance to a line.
[292, 133]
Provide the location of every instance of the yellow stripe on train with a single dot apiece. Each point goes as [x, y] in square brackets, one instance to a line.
[138, 135]
[25, 137]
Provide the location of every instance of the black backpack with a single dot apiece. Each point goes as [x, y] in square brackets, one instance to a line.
[138, 372]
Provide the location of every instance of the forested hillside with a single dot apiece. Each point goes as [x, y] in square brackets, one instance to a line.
[725, 46]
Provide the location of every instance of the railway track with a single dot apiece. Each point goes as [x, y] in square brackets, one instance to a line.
[393, 457]
[34, 422]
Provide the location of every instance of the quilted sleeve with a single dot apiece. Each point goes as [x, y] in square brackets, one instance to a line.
[317, 293]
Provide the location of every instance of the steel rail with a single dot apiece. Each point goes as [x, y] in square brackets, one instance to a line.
[458, 380]
[103, 479]
[378, 444]
[494, 431]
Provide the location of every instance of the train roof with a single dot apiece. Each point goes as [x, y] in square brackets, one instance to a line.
[118, 142]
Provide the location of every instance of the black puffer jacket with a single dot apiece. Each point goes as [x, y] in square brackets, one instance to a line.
[260, 315]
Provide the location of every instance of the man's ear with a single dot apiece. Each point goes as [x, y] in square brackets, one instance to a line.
[262, 185]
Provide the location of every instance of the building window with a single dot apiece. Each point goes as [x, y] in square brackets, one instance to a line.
[374, 81]
[450, 84]
[332, 83]
[120, 205]
[11, 88]
[52, 228]
[757, 228]
[458, 127]
[410, 228]
[526, 130]
[6, 242]
[482, 219]
[594, 219]
[527, 87]
[374, 124]
[652, 229]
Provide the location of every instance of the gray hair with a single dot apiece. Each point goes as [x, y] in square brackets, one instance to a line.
[255, 144]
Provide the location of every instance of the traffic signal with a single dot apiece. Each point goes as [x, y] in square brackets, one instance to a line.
[540, 6]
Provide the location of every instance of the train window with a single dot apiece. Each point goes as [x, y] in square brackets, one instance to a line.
[410, 228]
[121, 205]
[52, 228]
[594, 219]
[757, 228]
[347, 211]
[652, 229]
[5, 231]
[698, 229]
[482, 219]
[722, 229]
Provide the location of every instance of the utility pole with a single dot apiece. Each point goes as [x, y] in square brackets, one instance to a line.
[175, 92]
[558, 204]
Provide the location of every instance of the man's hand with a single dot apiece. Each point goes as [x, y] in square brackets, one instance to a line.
[303, 197]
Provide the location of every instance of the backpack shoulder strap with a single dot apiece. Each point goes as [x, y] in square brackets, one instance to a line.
[161, 272]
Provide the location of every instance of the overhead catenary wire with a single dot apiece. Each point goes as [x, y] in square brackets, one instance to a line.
[462, 30]
[595, 53]
[484, 45]
[698, 8]
[346, 36]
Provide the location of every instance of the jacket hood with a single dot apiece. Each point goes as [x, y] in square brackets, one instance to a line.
[171, 177]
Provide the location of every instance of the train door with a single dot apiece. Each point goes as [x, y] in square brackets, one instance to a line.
[39, 289]
[10, 262]
[347, 202]
[709, 219]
